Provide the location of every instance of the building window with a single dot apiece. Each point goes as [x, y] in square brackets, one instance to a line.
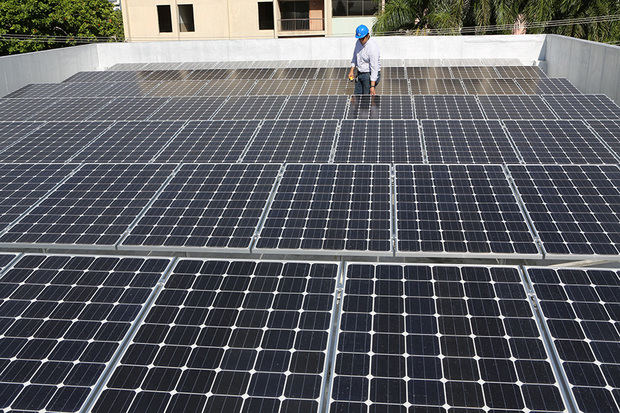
[295, 15]
[265, 15]
[186, 18]
[165, 19]
[354, 7]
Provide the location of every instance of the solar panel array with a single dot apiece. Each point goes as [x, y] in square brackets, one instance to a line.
[260, 169]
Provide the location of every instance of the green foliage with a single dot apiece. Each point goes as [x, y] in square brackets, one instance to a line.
[50, 18]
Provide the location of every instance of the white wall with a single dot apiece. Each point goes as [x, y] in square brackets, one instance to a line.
[345, 26]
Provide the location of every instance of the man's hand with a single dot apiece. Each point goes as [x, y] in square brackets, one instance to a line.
[351, 73]
[372, 91]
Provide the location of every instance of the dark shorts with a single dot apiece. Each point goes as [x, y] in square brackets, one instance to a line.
[362, 83]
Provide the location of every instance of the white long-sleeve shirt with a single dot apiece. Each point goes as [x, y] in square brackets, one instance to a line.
[366, 58]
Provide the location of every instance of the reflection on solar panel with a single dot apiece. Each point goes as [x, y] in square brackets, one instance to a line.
[581, 308]
[250, 74]
[41, 90]
[436, 87]
[23, 185]
[282, 87]
[609, 131]
[93, 207]
[64, 319]
[447, 107]
[178, 88]
[393, 87]
[250, 107]
[550, 86]
[330, 208]
[379, 141]
[380, 107]
[132, 108]
[393, 73]
[491, 87]
[292, 141]
[574, 208]
[474, 72]
[314, 107]
[428, 73]
[515, 107]
[168, 75]
[458, 210]
[12, 132]
[206, 206]
[128, 89]
[209, 74]
[209, 141]
[239, 336]
[129, 142]
[557, 141]
[433, 337]
[22, 109]
[523, 72]
[295, 73]
[329, 87]
[227, 87]
[467, 141]
[54, 142]
[583, 106]
[188, 108]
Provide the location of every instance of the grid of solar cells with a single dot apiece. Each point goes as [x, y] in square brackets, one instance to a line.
[474, 72]
[581, 310]
[79, 89]
[23, 185]
[379, 141]
[209, 141]
[295, 73]
[609, 131]
[393, 73]
[393, 87]
[93, 207]
[128, 89]
[12, 132]
[428, 72]
[250, 107]
[439, 338]
[467, 141]
[22, 109]
[292, 141]
[37, 90]
[54, 142]
[447, 107]
[583, 106]
[515, 107]
[520, 72]
[129, 142]
[178, 88]
[167, 75]
[380, 107]
[281, 87]
[314, 107]
[330, 208]
[574, 208]
[106, 76]
[548, 86]
[237, 336]
[557, 141]
[458, 209]
[5, 260]
[72, 109]
[207, 206]
[332, 73]
[251, 74]
[209, 74]
[227, 87]
[436, 87]
[491, 87]
[188, 108]
[63, 320]
[130, 108]
[329, 87]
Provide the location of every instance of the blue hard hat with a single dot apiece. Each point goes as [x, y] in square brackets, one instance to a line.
[361, 31]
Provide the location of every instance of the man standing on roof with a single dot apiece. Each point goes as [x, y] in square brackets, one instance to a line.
[366, 59]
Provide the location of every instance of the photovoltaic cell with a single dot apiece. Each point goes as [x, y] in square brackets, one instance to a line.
[131, 108]
[581, 310]
[329, 208]
[5, 260]
[83, 89]
[557, 141]
[73, 109]
[380, 107]
[37, 90]
[178, 88]
[209, 141]
[207, 206]
[188, 108]
[292, 141]
[439, 338]
[210, 74]
[428, 72]
[393, 73]
[436, 87]
[63, 320]
[474, 72]
[250, 107]
[491, 87]
[236, 336]
[393, 87]
[515, 107]
[93, 207]
[279, 87]
[609, 131]
[325, 73]
[379, 141]
[104, 76]
[583, 106]
[457, 210]
[329, 87]
[294, 73]
[168, 75]
[447, 107]
[227, 87]
[251, 74]
[524, 72]
[466, 141]
[22, 109]
[574, 208]
[314, 107]
[547, 86]
[128, 89]
[12, 132]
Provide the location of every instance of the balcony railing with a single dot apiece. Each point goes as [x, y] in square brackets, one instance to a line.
[309, 24]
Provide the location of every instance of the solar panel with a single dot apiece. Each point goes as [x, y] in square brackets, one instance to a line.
[557, 141]
[467, 141]
[609, 131]
[209, 141]
[40, 90]
[459, 210]
[447, 107]
[237, 336]
[279, 87]
[81, 89]
[573, 208]
[583, 106]
[523, 72]
[294, 73]
[581, 310]
[227, 87]
[129, 142]
[128, 89]
[12, 132]
[168, 75]
[132, 108]
[393, 73]
[210, 74]
[92, 208]
[379, 141]
[325, 73]
[64, 319]
[103, 76]
[329, 208]
[314, 107]
[380, 107]
[393, 87]
[250, 107]
[54, 142]
[491, 87]
[72, 109]
[215, 206]
[428, 72]
[439, 338]
[474, 72]
[23, 185]
[329, 87]
[178, 88]
[292, 141]
[251, 74]
[436, 87]
[5, 260]
[22, 109]
[547, 86]
[188, 108]
[515, 107]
